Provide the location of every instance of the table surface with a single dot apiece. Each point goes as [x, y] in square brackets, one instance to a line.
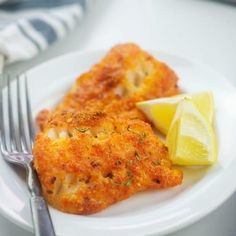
[198, 29]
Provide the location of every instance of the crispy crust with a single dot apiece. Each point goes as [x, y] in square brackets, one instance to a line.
[125, 74]
[88, 161]
[95, 148]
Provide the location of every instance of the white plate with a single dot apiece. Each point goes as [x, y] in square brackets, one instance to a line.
[147, 213]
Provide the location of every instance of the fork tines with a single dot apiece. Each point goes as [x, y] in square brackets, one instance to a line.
[16, 126]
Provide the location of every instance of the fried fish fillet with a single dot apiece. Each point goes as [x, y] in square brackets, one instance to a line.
[125, 74]
[88, 161]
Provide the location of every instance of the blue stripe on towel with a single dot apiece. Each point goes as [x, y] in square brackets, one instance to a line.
[44, 29]
[22, 5]
[63, 22]
[22, 30]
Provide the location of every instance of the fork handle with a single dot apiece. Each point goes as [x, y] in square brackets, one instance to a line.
[41, 217]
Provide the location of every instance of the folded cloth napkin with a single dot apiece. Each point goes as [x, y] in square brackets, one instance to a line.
[33, 32]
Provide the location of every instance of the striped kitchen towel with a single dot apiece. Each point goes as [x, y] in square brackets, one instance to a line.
[26, 36]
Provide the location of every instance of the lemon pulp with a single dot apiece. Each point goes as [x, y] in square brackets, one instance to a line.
[191, 139]
[161, 111]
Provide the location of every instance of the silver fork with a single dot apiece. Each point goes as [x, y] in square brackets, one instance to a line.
[16, 139]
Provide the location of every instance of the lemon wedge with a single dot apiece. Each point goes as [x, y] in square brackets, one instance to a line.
[161, 111]
[191, 139]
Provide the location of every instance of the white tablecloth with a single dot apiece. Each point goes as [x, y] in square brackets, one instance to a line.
[198, 29]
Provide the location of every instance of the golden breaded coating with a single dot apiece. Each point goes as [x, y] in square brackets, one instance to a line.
[126, 72]
[88, 161]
